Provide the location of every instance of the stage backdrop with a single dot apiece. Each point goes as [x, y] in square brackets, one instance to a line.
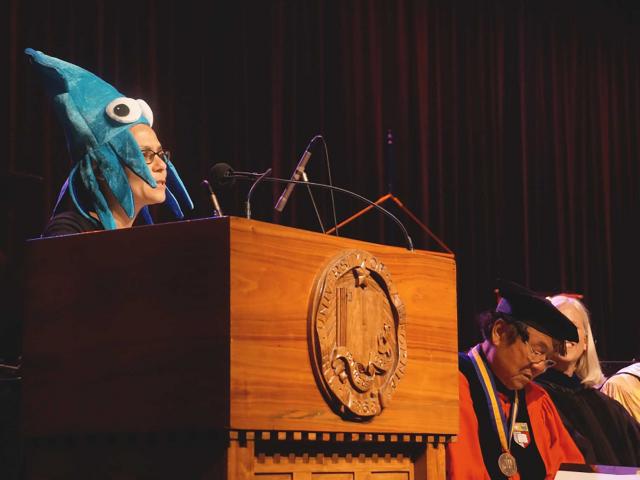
[515, 124]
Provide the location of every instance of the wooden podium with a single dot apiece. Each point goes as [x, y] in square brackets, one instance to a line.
[230, 348]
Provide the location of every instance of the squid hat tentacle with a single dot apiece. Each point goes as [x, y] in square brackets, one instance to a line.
[96, 119]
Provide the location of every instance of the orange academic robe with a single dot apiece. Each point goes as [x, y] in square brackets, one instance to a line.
[464, 457]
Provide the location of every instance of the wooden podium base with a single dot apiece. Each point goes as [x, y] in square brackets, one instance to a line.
[334, 457]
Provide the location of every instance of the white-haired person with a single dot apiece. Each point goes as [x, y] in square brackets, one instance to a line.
[602, 429]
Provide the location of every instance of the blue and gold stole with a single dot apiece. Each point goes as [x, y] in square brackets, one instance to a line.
[530, 463]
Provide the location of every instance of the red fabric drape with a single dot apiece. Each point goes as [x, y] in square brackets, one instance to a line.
[515, 123]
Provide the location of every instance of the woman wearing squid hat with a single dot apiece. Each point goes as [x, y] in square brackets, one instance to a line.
[119, 166]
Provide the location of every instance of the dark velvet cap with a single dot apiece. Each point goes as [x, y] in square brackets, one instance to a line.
[520, 303]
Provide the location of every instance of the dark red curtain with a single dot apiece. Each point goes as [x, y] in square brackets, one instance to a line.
[515, 124]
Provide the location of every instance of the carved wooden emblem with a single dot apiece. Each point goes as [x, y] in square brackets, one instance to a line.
[357, 335]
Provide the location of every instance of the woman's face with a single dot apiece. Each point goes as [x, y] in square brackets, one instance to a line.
[574, 349]
[143, 193]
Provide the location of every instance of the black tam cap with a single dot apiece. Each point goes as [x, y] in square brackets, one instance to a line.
[520, 303]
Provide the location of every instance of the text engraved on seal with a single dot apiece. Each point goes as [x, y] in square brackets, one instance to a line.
[357, 335]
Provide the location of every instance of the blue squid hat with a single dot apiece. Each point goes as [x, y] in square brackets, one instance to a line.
[96, 120]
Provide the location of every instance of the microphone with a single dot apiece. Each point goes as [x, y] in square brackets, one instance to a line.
[297, 175]
[223, 174]
[217, 211]
[220, 174]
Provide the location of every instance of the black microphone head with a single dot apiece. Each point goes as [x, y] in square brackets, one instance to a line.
[221, 175]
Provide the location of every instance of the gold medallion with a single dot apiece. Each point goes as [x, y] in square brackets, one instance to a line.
[507, 464]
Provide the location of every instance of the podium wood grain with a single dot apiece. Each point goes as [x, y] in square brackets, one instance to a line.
[273, 270]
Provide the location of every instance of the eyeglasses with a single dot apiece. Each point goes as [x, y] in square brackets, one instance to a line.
[538, 357]
[149, 155]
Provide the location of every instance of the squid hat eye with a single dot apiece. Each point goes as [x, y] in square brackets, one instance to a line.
[128, 110]
[124, 110]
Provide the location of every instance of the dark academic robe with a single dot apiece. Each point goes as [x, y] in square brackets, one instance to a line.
[475, 454]
[68, 223]
[67, 220]
[603, 430]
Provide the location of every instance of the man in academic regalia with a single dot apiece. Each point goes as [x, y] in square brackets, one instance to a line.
[509, 427]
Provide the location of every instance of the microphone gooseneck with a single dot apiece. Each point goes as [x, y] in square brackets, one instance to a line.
[217, 211]
[255, 183]
[225, 173]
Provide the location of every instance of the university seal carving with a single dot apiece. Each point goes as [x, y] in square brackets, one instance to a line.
[357, 335]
